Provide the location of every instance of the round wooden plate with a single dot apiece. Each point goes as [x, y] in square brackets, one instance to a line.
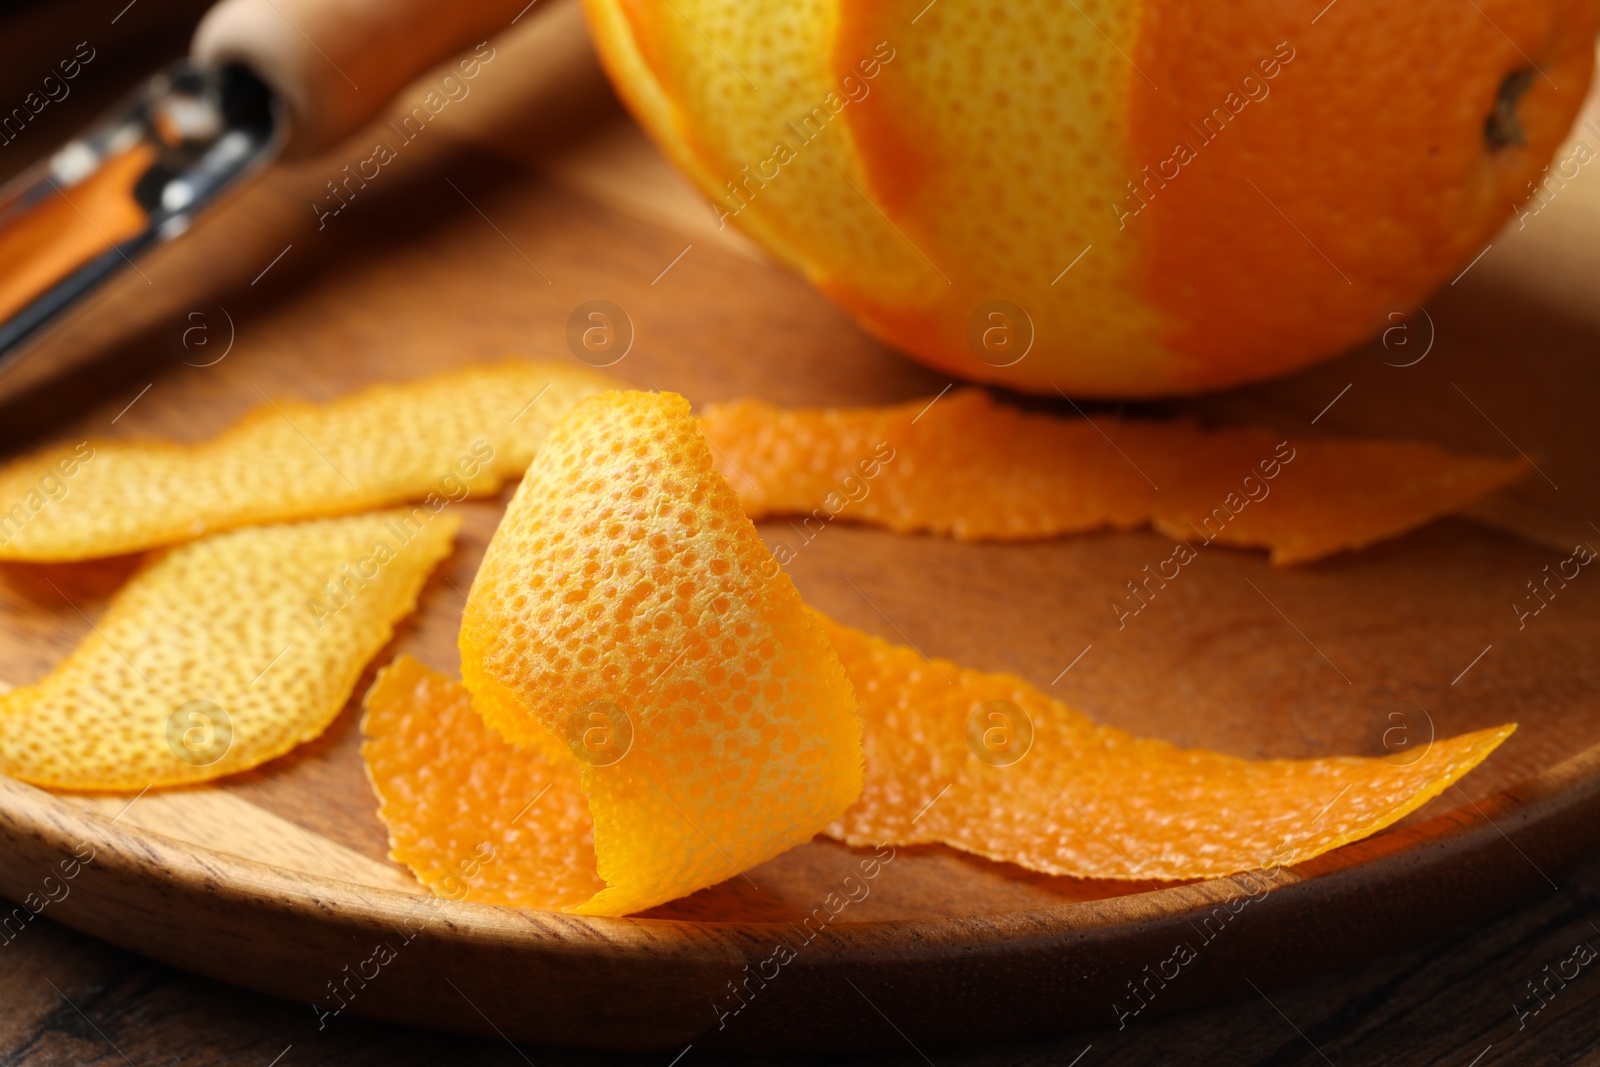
[278, 880]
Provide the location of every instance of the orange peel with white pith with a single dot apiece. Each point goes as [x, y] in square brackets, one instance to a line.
[967, 467]
[626, 607]
[221, 654]
[444, 437]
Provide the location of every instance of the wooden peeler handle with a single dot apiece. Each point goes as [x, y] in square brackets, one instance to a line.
[336, 63]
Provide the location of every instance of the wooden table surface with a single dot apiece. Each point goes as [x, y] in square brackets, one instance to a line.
[66, 999]
[1466, 998]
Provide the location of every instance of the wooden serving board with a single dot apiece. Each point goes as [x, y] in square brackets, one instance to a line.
[534, 195]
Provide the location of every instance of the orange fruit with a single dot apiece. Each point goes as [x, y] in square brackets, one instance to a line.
[1112, 198]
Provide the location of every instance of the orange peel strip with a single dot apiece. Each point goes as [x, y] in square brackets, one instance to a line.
[220, 655]
[462, 432]
[1091, 801]
[625, 585]
[965, 466]
[628, 607]
[472, 815]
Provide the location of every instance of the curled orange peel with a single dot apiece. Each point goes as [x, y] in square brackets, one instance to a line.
[222, 654]
[647, 706]
[444, 437]
[628, 643]
[985, 763]
[627, 610]
[968, 467]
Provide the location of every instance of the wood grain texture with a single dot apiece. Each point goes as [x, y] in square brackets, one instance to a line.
[68, 1000]
[480, 239]
[225, 822]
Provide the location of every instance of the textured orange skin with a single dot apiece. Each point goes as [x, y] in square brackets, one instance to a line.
[1371, 142]
[1084, 800]
[459, 432]
[472, 815]
[1092, 801]
[1352, 189]
[625, 581]
[271, 625]
[967, 467]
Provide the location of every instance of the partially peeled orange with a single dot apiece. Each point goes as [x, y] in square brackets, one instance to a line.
[1110, 197]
